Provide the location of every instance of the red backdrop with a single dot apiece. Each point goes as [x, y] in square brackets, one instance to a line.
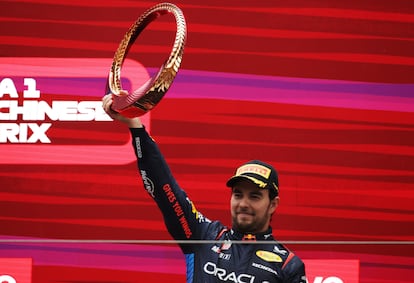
[323, 90]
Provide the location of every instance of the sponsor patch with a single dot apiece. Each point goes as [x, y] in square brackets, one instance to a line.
[255, 169]
[268, 256]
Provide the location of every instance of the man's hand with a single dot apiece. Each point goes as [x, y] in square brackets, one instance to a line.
[107, 101]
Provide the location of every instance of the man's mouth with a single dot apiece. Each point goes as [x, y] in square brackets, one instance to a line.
[244, 213]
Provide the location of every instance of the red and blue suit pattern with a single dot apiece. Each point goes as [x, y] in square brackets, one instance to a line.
[219, 257]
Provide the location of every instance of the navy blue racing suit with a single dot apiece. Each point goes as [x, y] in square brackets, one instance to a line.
[222, 255]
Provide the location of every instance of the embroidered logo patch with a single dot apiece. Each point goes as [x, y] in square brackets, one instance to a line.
[268, 256]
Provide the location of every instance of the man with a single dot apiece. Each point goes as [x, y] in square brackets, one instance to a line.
[245, 253]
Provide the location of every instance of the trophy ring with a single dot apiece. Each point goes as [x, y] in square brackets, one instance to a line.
[146, 97]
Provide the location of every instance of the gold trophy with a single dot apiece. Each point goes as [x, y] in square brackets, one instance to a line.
[146, 97]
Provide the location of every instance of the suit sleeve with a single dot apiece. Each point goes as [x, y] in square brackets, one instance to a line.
[181, 218]
[294, 271]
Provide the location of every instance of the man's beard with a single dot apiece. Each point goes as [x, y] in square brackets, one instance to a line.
[247, 227]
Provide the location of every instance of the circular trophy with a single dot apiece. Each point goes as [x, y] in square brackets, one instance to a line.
[146, 97]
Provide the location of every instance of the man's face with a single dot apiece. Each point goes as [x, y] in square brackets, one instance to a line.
[251, 207]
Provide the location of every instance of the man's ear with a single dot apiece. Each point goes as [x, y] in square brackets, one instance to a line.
[274, 203]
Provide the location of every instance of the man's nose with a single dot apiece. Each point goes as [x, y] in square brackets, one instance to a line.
[244, 202]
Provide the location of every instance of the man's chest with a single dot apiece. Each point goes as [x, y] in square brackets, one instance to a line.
[240, 263]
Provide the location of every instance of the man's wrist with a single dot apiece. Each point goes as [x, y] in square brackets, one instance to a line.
[134, 123]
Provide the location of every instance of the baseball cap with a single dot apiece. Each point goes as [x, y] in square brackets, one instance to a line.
[258, 172]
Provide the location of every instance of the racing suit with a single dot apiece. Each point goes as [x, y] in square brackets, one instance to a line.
[217, 258]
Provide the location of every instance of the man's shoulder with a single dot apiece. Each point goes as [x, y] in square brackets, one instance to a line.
[287, 259]
[214, 230]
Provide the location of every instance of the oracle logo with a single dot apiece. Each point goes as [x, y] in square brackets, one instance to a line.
[7, 279]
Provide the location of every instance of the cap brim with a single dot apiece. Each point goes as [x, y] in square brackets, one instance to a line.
[233, 180]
